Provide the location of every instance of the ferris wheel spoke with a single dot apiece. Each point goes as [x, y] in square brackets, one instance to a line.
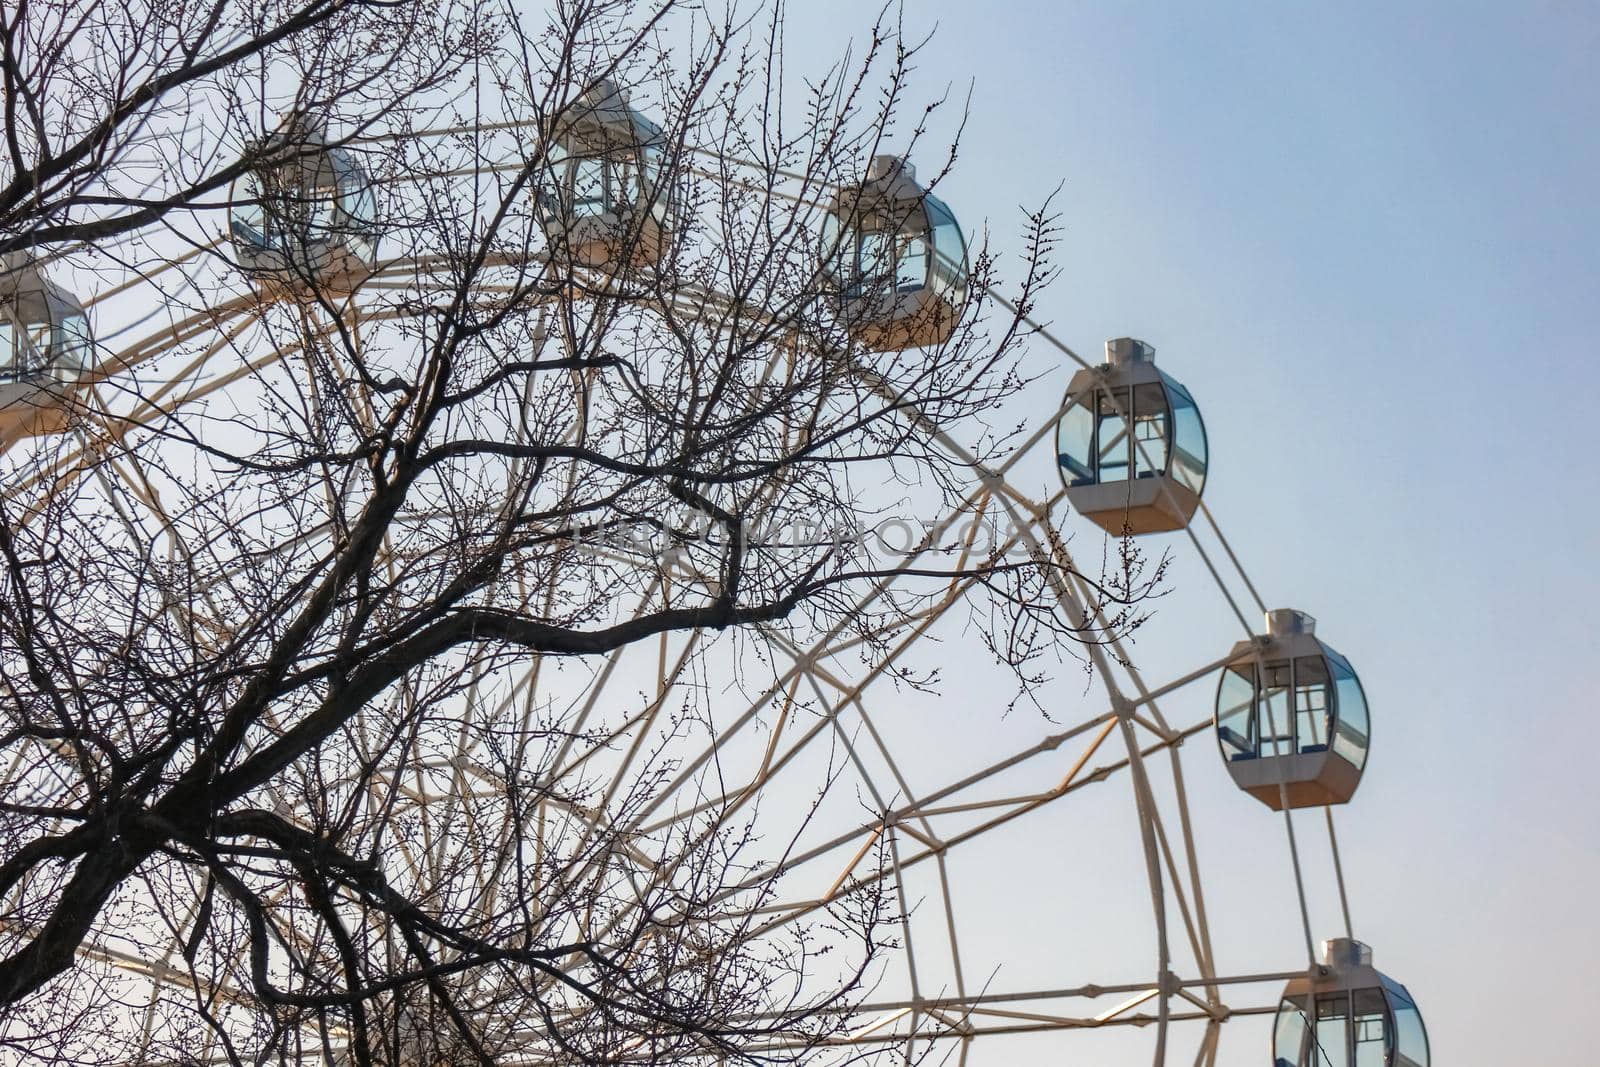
[1197, 926]
[136, 479]
[114, 427]
[1195, 921]
[148, 277]
[786, 685]
[667, 681]
[1200, 930]
[593, 818]
[230, 319]
[1181, 894]
[159, 973]
[1079, 613]
[927, 837]
[954, 941]
[215, 319]
[591, 700]
[599, 823]
[909, 939]
[990, 1000]
[1017, 805]
[992, 1022]
[164, 964]
[789, 912]
[770, 767]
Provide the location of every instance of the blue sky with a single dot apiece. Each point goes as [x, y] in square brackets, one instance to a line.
[1365, 236]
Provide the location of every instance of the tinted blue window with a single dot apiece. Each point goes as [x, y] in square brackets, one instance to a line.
[911, 262]
[9, 364]
[874, 263]
[73, 345]
[1236, 699]
[1274, 722]
[286, 209]
[1188, 438]
[1289, 1035]
[1411, 1036]
[247, 215]
[949, 250]
[1370, 1037]
[1075, 443]
[1352, 732]
[588, 186]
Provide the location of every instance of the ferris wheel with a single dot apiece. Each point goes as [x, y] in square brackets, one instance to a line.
[861, 784]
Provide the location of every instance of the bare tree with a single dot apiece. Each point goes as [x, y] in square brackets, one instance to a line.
[300, 617]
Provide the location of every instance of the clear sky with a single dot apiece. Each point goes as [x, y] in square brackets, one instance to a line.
[1364, 235]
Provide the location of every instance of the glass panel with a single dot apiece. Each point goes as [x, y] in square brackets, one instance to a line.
[8, 349]
[1235, 706]
[350, 185]
[949, 249]
[37, 350]
[247, 218]
[1150, 430]
[321, 204]
[1113, 443]
[911, 262]
[352, 208]
[874, 262]
[1275, 724]
[1289, 1034]
[547, 195]
[624, 182]
[652, 185]
[651, 166]
[1331, 1037]
[1410, 1035]
[73, 342]
[360, 245]
[1188, 438]
[1074, 444]
[359, 204]
[1312, 694]
[279, 207]
[1352, 732]
[835, 242]
[1371, 1039]
[588, 186]
[284, 211]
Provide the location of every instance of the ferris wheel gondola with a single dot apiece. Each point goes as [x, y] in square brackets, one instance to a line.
[898, 258]
[305, 220]
[605, 204]
[45, 346]
[1292, 717]
[1345, 1013]
[1131, 444]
